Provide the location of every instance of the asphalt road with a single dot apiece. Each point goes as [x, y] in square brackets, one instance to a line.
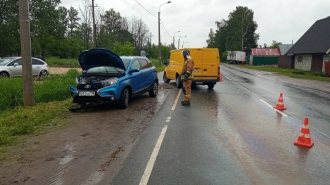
[232, 135]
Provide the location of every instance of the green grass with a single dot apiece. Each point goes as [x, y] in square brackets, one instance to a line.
[294, 73]
[53, 88]
[30, 120]
[58, 62]
[159, 68]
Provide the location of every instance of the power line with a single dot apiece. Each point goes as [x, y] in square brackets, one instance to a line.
[135, 10]
[145, 9]
[166, 30]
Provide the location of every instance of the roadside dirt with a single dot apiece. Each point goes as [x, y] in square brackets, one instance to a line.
[93, 140]
[61, 70]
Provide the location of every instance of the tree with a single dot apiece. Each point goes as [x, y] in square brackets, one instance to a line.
[211, 40]
[72, 21]
[275, 44]
[235, 33]
[140, 33]
[85, 28]
[126, 49]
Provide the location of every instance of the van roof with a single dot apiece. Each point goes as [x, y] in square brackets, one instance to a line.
[194, 49]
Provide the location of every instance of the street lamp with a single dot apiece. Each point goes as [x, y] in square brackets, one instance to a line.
[174, 39]
[243, 34]
[179, 41]
[159, 44]
[183, 43]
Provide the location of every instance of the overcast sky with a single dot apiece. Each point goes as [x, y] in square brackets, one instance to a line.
[280, 20]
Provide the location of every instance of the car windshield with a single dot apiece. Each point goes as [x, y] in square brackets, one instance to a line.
[104, 69]
[5, 61]
[126, 62]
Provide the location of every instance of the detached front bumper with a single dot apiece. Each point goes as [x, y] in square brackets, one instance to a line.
[94, 97]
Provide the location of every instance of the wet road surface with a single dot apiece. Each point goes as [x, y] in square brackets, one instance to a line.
[232, 135]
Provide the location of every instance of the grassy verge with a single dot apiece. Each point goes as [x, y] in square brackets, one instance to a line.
[53, 88]
[294, 73]
[30, 120]
[58, 62]
[159, 68]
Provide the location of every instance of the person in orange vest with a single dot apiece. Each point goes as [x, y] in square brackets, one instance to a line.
[187, 76]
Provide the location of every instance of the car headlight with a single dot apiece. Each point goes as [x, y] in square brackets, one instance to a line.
[80, 80]
[109, 82]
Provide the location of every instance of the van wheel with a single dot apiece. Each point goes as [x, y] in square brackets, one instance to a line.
[165, 79]
[210, 86]
[123, 103]
[178, 82]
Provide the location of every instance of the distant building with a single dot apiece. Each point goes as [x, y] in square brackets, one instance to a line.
[312, 51]
[284, 48]
[264, 56]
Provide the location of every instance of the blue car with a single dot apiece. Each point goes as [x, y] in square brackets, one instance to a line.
[110, 79]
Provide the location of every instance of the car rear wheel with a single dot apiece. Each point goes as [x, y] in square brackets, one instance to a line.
[154, 90]
[178, 82]
[165, 79]
[42, 74]
[4, 75]
[124, 99]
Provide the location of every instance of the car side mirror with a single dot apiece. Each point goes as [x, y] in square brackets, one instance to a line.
[134, 70]
[15, 64]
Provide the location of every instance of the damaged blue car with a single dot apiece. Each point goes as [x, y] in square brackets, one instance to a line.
[110, 79]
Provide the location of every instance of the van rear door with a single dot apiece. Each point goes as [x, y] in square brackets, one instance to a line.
[210, 64]
[197, 56]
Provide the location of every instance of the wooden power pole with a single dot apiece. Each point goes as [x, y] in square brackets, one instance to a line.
[94, 25]
[28, 92]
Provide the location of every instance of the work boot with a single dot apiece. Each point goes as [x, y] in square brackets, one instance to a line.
[185, 103]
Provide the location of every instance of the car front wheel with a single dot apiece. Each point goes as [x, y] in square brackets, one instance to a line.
[4, 75]
[124, 99]
[154, 90]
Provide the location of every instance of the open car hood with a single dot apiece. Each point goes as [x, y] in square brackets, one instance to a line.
[99, 57]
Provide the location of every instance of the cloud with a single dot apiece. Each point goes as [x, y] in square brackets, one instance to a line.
[280, 20]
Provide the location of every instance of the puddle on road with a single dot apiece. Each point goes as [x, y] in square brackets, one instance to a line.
[66, 160]
[95, 178]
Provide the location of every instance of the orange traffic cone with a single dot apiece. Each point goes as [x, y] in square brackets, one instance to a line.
[304, 138]
[280, 104]
[220, 77]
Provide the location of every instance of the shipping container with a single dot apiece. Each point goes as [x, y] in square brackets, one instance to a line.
[236, 57]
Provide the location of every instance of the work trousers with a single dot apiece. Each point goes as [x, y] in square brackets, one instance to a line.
[187, 89]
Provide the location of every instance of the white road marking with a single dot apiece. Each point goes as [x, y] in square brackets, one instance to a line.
[274, 108]
[176, 100]
[168, 119]
[152, 160]
[228, 78]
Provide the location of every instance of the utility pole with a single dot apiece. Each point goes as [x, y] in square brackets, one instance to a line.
[94, 26]
[159, 43]
[28, 92]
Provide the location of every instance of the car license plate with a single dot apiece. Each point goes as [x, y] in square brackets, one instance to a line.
[86, 93]
[196, 71]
